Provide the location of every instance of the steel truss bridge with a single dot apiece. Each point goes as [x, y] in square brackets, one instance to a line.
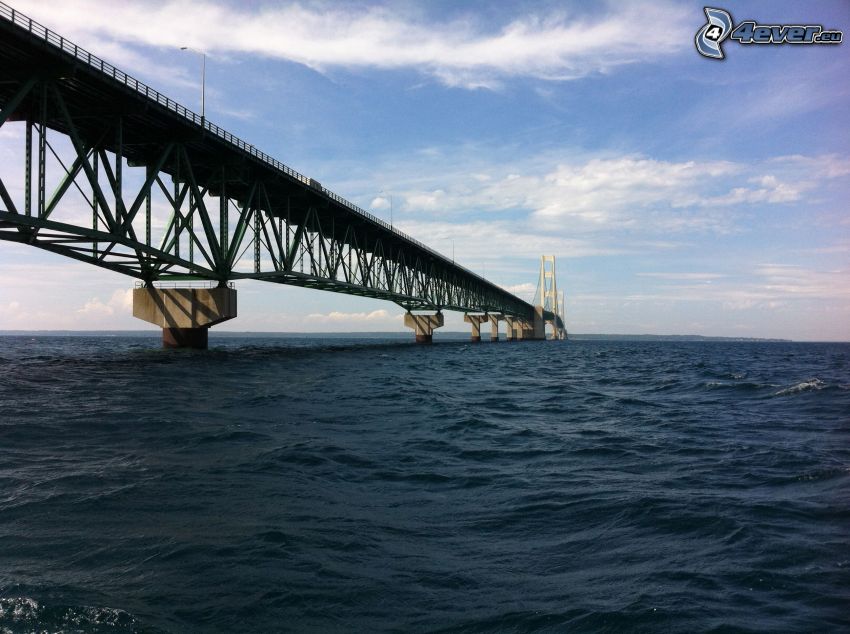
[117, 175]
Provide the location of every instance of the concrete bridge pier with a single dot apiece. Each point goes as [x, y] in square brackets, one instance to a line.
[197, 338]
[512, 329]
[423, 325]
[184, 314]
[475, 321]
[494, 325]
[522, 330]
[539, 325]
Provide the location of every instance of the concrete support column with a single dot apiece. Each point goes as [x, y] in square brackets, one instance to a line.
[185, 338]
[557, 333]
[475, 321]
[520, 330]
[423, 325]
[539, 326]
[184, 314]
[494, 326]
[512, 328]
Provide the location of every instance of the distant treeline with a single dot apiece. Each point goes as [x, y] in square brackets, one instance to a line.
[588, 337]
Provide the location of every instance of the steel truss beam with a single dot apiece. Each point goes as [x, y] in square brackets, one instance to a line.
[280, 233]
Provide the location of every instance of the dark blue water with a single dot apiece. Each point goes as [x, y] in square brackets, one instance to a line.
[353, 485]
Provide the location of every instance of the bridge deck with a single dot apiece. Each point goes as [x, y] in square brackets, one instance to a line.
[94, 95]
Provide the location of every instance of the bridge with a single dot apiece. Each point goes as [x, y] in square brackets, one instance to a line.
[143, 186]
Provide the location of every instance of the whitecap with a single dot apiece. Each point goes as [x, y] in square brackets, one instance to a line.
[28, 611]
[18, 608]
[802, 386]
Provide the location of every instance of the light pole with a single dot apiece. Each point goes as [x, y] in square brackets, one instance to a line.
[203, 75]
[391, 206]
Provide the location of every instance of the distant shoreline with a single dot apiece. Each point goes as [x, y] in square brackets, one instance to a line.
[608, 337]
[449, 335]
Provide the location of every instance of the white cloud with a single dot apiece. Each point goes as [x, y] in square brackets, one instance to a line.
[458, 52]
[620, 190]
[129, 59]
[9, 132]
[564, 192]
[120, 302]
[95, 307]
[501, 241]
[11, 309]
[838, 247]
[428, 201]
[790, 281]
[763, 286]
[601, 190]
[15, 315]
[526, 290]
[349, 318]
[682, 276]
[380, 203]
[829, 165]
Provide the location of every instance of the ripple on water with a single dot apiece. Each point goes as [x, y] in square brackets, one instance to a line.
[346, 485]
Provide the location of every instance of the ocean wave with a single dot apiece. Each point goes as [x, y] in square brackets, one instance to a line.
[301, 486]
[27, 613]
[808, 385]
[816, 475]
[234, 436]
[748, 386]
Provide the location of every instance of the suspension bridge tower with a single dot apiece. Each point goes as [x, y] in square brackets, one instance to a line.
[548, 302]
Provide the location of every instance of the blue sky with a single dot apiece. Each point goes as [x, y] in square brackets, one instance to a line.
[679, 194]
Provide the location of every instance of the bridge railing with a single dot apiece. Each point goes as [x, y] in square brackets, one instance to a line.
[53, 38]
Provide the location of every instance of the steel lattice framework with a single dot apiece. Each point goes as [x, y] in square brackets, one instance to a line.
[144, 187]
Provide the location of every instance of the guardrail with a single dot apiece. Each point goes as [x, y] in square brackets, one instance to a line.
[80, 54]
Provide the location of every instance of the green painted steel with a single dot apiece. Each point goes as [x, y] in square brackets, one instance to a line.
[122, 177]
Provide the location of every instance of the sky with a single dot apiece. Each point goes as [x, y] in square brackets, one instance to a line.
[679, 194]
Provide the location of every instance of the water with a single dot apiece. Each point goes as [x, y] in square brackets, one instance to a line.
[287, 484]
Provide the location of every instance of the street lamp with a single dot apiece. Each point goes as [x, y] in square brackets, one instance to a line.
[203, 74]
[391, 206]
